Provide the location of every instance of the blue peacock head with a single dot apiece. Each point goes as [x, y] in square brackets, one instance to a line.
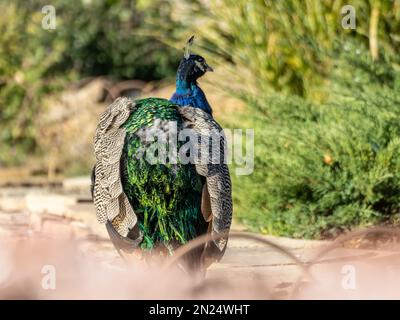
[192, 66]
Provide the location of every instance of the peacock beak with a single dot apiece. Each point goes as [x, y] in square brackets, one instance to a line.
[208, 68]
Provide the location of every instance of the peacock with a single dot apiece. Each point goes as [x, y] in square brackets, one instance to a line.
[159, 203]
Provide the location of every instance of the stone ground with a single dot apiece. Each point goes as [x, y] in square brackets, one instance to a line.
[66, 210]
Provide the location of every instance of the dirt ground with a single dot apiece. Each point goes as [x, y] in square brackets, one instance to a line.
[358, 267]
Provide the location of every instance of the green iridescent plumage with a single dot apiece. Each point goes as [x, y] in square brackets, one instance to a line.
[165, 197]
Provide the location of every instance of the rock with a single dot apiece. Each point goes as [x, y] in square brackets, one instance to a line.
[53, 203]
[12, 204]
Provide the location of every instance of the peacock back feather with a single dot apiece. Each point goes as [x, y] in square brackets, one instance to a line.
[165, 197]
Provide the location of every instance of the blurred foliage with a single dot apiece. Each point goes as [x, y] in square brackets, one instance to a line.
[91, 38]
[325, 113]
[283, 45]
[326, 167]
[25, 61]
[104, 38]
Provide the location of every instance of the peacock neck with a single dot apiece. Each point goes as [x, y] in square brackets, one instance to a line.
[184, 86]
[189, 93]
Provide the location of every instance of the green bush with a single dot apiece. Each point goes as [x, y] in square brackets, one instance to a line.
[281, 45]
[107, 38]
[91, 38]
[324, 168]
[25, 61]
[325, 114]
